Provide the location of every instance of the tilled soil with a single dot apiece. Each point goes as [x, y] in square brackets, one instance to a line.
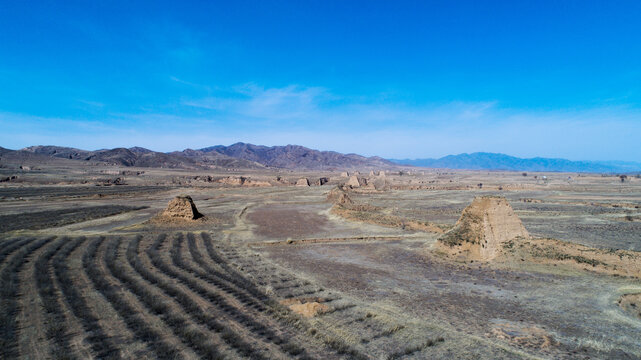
[277, 221]
[54, 218]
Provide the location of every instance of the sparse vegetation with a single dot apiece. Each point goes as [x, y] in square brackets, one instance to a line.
[54, 218]
[9, 295]
[223, 289]
[416, 348]
[179, 323]
[551, 253]
[134, 320]
[101, 344]
[56, 327]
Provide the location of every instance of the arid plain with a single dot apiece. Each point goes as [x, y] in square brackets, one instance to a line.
[317, 264]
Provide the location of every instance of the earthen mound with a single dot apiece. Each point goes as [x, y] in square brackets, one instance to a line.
[302, 182]
[322, 181]
[355, 182]
[485, 227]
[181, 207]
[256, 183]
[233, 180]
[339, 196]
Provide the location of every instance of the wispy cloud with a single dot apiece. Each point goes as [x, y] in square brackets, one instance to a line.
[268, 104]
[95, 104]
[318, 118]
[191, 84]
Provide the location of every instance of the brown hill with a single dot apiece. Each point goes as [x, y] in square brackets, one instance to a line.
[299, 157]
[484, 228]
[217, 159]
[59, 152]
[14, 159]
[117, 156]
[237, 156]
[136, 156]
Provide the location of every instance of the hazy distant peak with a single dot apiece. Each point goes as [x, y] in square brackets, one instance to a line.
[497, 161]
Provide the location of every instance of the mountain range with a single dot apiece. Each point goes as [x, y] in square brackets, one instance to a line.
[239, 155]
[493, 161]
[295, 157]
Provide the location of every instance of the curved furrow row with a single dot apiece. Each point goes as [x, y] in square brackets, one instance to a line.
[337, 345]
[185, 300]
[329, 346]
[232, 275]
[287, 287]
[236, 285]
[191, 335]
[220, 297]
[56, 324]
[256, 308]
[12, 246]
[101, 344]
[9, 281]
[132, 318]
[4, 242]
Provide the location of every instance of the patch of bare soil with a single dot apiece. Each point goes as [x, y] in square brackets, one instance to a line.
[327, 240]
[281, 221]
[345, 207]
[523, 335]
[307, 307]
[631, 303]
[372, 215]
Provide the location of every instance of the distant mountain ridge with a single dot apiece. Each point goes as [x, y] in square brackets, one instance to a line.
[298, 157]
[495, 161]
[239, 155]
[295, 157]
[141, 157]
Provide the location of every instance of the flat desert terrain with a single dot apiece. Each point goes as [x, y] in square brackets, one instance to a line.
[274, 265]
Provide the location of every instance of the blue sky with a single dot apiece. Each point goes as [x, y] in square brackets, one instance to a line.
[396, 79]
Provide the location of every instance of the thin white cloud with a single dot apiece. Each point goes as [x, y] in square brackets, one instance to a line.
[316, 118]
[95, 104]
[254, 102]
[191, 84]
